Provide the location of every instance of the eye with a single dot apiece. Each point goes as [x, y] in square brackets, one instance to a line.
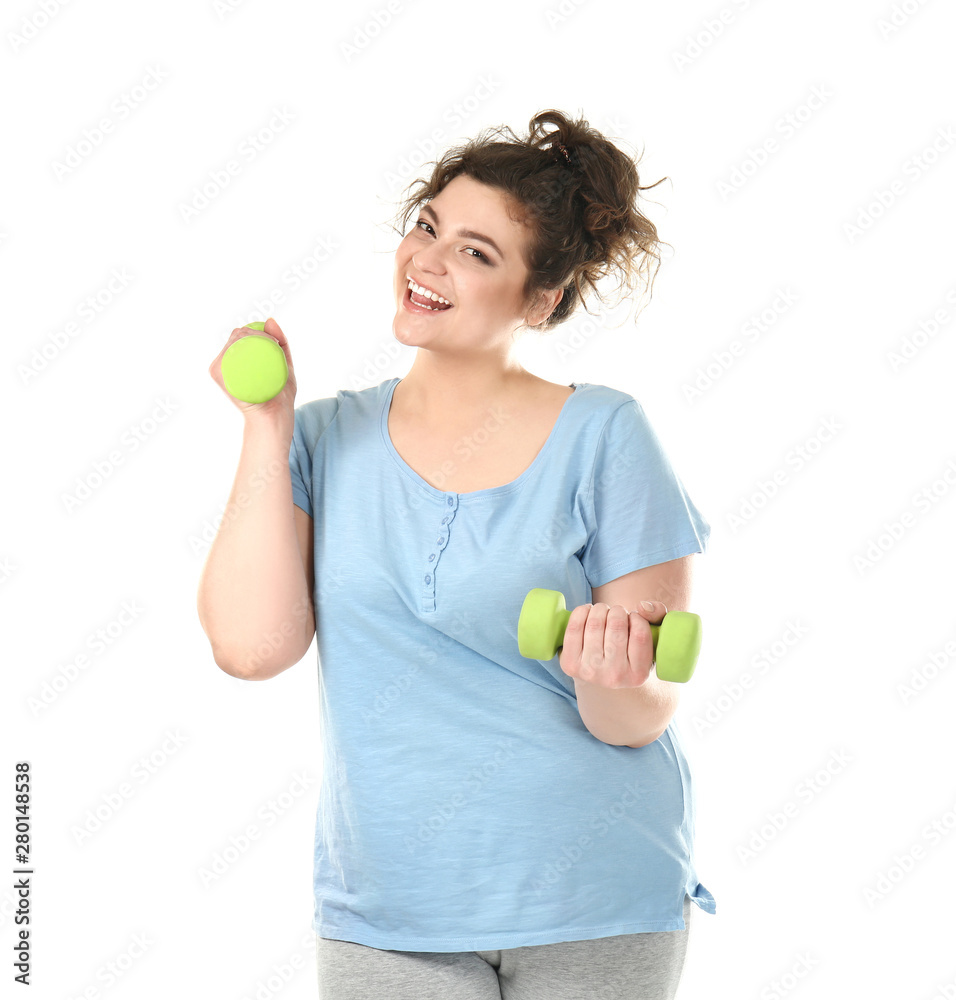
[422, 222]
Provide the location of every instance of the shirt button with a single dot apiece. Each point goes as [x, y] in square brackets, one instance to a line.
[444, 520]
[428, 579]
[432, 556]
[450, 501]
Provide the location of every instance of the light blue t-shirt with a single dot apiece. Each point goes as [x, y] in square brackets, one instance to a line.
[464, 805]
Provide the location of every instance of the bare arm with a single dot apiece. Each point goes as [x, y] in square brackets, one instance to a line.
[255, 589]
[637, 716]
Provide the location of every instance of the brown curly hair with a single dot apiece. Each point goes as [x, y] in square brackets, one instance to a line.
[580, 208]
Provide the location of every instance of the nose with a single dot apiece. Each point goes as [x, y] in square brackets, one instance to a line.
[429, 258]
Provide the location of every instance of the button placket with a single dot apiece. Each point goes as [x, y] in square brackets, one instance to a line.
[434, 557]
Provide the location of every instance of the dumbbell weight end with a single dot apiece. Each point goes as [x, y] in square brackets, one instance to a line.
[254, 368]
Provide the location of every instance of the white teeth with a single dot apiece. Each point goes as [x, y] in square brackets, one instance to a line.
[427, 294]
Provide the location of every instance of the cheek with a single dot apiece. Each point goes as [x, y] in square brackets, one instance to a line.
[405, 249]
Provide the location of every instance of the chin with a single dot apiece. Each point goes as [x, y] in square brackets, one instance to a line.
[402, 331]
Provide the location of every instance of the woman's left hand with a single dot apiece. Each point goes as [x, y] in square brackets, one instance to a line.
[609, 646]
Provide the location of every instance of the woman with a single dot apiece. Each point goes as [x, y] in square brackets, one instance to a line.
[489, 825]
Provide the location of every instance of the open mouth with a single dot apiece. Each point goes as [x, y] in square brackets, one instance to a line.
[417, 303]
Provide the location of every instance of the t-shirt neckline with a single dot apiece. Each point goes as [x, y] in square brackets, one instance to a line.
[473, 494]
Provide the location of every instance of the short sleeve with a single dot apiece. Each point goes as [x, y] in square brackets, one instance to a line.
[640, 513]
[300, 466]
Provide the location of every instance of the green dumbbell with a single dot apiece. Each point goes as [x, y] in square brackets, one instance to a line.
[254, 368]
[544, 618]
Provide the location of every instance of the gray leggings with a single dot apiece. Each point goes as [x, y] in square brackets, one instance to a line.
[645, 966]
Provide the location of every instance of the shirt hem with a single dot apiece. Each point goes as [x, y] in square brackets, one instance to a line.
[300, 499]
[497, 942]
[622, 567]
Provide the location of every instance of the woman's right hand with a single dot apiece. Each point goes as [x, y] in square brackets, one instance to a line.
[280, 408]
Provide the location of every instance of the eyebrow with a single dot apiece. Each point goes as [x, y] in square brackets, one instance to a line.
[467, 233]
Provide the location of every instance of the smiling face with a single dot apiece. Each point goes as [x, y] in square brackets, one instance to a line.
[465, 247]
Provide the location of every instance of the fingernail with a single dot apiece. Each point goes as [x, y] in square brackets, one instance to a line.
[647, 606]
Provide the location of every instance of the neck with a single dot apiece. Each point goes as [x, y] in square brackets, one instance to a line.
[439, 389]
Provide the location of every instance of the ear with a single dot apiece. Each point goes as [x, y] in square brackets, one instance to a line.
[544, 305]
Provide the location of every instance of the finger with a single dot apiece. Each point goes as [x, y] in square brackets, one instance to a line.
[592, 654]
[654, 612]
[616, 628]
[640, 646]
[272, 329]
[574, 633]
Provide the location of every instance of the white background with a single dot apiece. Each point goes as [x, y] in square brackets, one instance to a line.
[820, 775]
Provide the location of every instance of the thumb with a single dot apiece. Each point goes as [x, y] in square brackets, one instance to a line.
[653, 611]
